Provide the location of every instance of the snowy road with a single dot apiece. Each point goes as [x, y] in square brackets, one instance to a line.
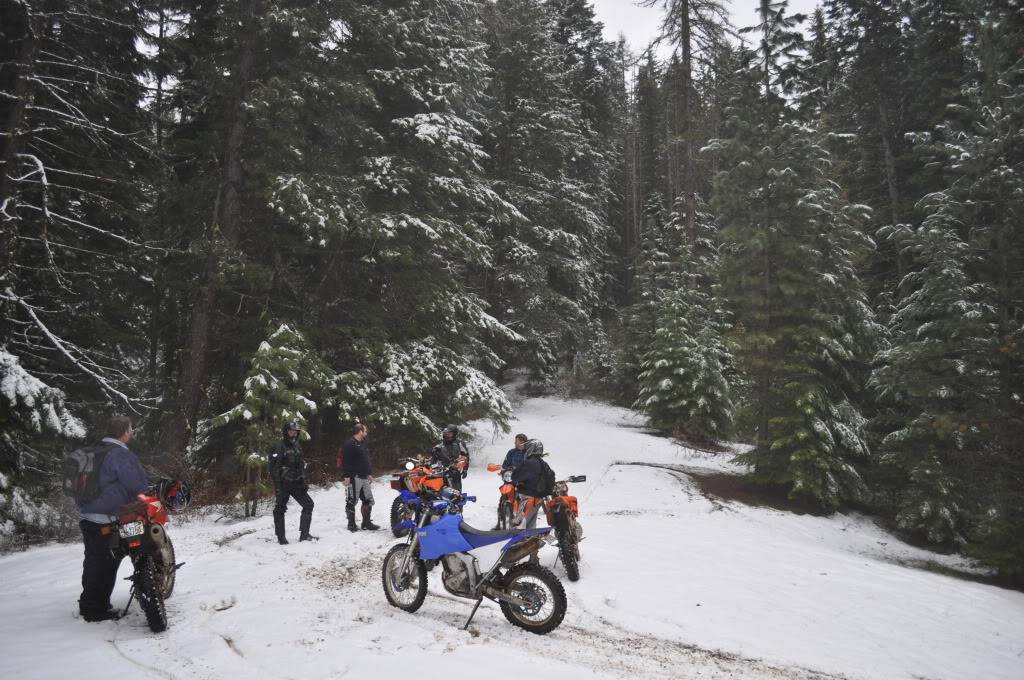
[673, 586]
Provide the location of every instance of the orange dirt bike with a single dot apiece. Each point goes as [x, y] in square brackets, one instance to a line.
[421, 478]
[141, 536]
[562, 512]
[508, 506]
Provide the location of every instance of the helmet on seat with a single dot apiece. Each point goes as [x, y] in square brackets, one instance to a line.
[175, 495]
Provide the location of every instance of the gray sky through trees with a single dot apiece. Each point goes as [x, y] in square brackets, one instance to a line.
[640, 24]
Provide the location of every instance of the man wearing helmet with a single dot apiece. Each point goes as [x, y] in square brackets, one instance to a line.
[447, 453]
[288, 471]
[533, 479]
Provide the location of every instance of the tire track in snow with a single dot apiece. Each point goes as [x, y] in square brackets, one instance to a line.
[615, 651]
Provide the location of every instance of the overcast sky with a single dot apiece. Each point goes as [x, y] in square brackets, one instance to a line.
[640, 24]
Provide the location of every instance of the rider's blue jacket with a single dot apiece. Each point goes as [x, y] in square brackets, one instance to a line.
[121, 480]
[513, 459]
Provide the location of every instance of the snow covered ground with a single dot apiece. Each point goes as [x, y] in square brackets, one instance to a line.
[674, 585]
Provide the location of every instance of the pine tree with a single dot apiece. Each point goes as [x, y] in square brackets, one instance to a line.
[545, 155]
[683, 379]
[788, 250]
[284, 383]
[966, 332]
[935, 373]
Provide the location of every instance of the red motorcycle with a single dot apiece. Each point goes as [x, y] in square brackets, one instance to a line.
[562, 511]
[142, 538]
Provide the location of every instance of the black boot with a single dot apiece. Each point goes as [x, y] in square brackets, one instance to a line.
[351, 514]
[304, 522]
[367, 524]
[282, 540]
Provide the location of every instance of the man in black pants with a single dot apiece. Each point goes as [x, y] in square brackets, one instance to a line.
[121, 478]
[356, 466]
[288, 471]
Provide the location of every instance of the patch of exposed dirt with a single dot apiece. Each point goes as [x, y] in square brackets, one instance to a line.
[726, 487]
[722, 487]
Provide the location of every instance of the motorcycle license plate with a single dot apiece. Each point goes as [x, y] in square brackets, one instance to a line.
[131, 529]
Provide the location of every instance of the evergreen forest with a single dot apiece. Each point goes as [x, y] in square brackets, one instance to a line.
[805, 235]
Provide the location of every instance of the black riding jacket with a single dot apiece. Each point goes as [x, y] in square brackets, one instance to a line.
[286, 463]
[447, 452]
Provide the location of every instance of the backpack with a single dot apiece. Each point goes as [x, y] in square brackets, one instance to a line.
[82, 472]
[546, 482]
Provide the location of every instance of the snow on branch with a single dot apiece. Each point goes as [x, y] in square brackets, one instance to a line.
[64, 349]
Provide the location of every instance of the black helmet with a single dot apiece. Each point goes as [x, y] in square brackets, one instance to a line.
[291, 425]
[533, 447]
[449, 430]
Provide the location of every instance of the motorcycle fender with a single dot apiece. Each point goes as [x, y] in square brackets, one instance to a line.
[409, 498]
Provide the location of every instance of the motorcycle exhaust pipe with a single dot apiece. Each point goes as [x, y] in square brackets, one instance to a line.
[156, 533]
[522, 549]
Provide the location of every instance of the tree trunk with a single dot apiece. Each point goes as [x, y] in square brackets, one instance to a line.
[225, 227]
[689, 195]
[15, 69]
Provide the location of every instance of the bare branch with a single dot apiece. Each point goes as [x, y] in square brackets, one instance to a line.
[10, 295]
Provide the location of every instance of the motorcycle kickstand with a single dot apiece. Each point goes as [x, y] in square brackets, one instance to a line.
[473, 613]
[131, 596]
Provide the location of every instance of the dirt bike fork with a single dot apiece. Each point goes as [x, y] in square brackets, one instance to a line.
[412, 545]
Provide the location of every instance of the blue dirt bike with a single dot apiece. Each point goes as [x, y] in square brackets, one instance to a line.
[530, 596]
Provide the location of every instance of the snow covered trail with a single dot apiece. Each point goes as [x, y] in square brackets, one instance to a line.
[673, 586]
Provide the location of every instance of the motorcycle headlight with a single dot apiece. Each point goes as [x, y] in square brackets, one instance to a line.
[409, 465]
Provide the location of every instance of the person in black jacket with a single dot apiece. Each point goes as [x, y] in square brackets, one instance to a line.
[355, 458]
[448, 452]
[288, 471]
[531, 478]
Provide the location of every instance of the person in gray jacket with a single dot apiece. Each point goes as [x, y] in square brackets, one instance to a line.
[121, 479]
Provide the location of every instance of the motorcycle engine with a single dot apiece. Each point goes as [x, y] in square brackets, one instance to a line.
[460, 573]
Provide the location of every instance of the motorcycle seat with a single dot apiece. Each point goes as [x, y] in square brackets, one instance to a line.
[466, 529]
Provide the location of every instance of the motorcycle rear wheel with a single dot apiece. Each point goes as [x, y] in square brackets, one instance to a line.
[537, 584]
[149, 593]
[406, 595]
[567, 548]
[399, 513]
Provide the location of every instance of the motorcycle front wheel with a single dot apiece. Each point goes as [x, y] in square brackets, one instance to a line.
[400, 512]
[405, 591]
[544, 594]
[504, 515]
[148, 590]
[567, 548]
